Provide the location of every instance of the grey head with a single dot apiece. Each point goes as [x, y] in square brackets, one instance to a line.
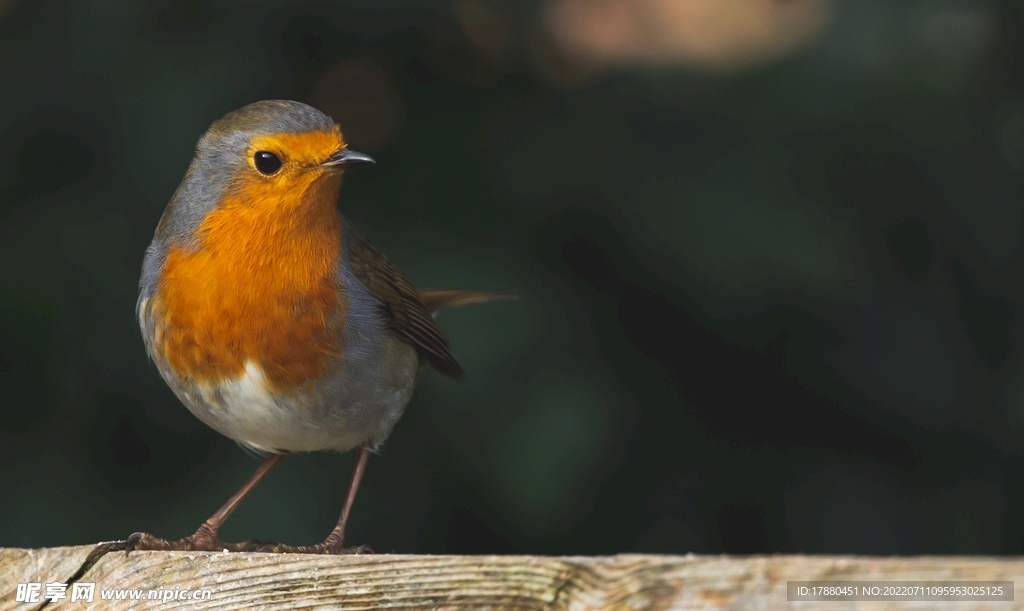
[222, 155]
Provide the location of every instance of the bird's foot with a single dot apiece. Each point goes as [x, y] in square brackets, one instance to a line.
[329, 546]
[203, 540]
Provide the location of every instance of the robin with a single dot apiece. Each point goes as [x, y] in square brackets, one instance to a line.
[271, 317]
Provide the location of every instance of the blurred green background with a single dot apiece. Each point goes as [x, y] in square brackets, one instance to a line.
[768, 254]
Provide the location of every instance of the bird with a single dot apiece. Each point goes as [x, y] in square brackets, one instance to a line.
[271, 317]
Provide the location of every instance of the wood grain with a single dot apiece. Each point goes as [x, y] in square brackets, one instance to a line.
[296, 581]
[41, 565]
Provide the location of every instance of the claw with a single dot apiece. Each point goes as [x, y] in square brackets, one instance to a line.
[327, 547]
[201, 541]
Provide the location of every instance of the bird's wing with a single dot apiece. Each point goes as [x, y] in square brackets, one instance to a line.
[442, 299]
[399, 302]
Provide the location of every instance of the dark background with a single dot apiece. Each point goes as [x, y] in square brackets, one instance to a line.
[768, 254]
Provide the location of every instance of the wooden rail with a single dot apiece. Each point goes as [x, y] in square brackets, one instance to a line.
[292, 581]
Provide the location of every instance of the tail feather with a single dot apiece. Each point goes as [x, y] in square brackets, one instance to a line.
[440, 299]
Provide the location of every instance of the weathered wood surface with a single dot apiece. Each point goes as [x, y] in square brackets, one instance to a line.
[293, 581]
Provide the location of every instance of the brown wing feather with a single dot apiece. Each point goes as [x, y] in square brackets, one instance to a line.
[409, 319]
[441, 299]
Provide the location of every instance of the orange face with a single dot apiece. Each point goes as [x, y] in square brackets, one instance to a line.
[301, 157]
[261, 284]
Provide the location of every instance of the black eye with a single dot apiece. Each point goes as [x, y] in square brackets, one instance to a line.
[266, 162]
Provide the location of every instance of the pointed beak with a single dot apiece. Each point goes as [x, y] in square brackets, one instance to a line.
[346, 159]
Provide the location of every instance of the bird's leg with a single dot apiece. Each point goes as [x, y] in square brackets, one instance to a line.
[205, 538]
[333, 544]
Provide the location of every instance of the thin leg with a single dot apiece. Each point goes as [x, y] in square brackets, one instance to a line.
[205, 538]
[218, 519]
[333, 544]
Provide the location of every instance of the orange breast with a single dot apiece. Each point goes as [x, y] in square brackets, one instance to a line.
[259, 285]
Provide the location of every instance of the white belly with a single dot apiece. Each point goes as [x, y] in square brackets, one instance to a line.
[357, 405]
